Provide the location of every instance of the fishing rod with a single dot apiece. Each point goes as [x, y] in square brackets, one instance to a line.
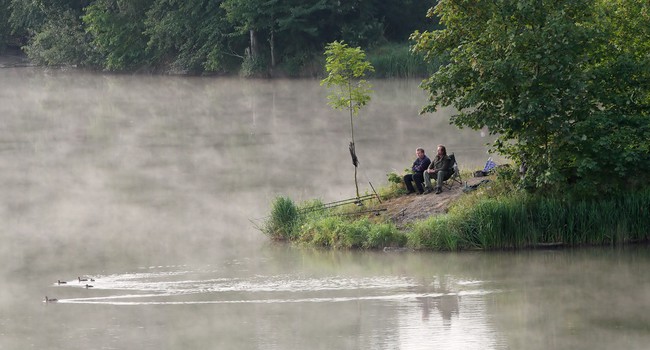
[339, 203]
[374, 211]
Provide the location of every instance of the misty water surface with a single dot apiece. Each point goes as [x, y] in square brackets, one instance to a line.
[152, 187]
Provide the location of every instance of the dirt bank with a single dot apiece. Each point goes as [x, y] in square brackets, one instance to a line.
[409, 208]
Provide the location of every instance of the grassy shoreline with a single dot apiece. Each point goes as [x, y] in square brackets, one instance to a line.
[491, 218]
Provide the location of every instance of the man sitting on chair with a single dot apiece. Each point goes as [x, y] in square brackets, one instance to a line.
[440, 169]
[419, 166]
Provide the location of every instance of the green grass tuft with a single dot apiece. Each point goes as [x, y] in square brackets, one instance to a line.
[283, 220]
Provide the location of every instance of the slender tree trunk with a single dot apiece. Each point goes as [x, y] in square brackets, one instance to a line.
[356, 183]
[254, 47]
[272, 46]
[350, 108]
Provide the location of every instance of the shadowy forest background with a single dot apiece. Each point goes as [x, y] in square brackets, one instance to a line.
[250, 37]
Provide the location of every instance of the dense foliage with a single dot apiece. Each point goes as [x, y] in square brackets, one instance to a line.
[565, 84]
[197, 36]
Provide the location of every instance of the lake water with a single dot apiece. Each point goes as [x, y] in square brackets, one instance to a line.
[152, 187]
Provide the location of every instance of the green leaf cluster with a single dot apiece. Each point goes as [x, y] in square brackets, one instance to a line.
[346, 67]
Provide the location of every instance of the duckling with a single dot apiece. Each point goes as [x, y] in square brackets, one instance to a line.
[82, 279]
[88, 286]
[61, 282]
[92, 280]
[48, 300]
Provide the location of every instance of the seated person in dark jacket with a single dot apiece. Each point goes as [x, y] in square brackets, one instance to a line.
[419, 166]
[440, 169]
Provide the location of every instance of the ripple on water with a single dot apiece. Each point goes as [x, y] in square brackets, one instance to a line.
[177, 288]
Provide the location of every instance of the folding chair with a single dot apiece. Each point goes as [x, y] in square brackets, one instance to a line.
[455, 175]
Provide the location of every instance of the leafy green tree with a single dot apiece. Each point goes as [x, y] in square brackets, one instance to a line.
[26, 17]
[346, 67]
[531, 71]
[613, 147]
[190, 35]
[117, 28]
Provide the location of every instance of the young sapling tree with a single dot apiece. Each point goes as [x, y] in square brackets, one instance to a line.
[346, 67]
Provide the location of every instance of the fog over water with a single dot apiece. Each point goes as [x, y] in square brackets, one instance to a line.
[151, 186]
[91, 159]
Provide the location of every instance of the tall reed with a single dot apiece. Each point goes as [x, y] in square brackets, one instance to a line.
[436, 233]
[522, 220]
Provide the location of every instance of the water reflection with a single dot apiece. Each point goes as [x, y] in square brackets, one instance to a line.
[446, 303]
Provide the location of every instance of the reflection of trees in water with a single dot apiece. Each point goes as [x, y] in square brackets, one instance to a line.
[445, 300]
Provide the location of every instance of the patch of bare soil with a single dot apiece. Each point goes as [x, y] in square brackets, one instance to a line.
[406, 209]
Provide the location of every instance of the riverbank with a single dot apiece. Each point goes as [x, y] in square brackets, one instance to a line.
[495, 216]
